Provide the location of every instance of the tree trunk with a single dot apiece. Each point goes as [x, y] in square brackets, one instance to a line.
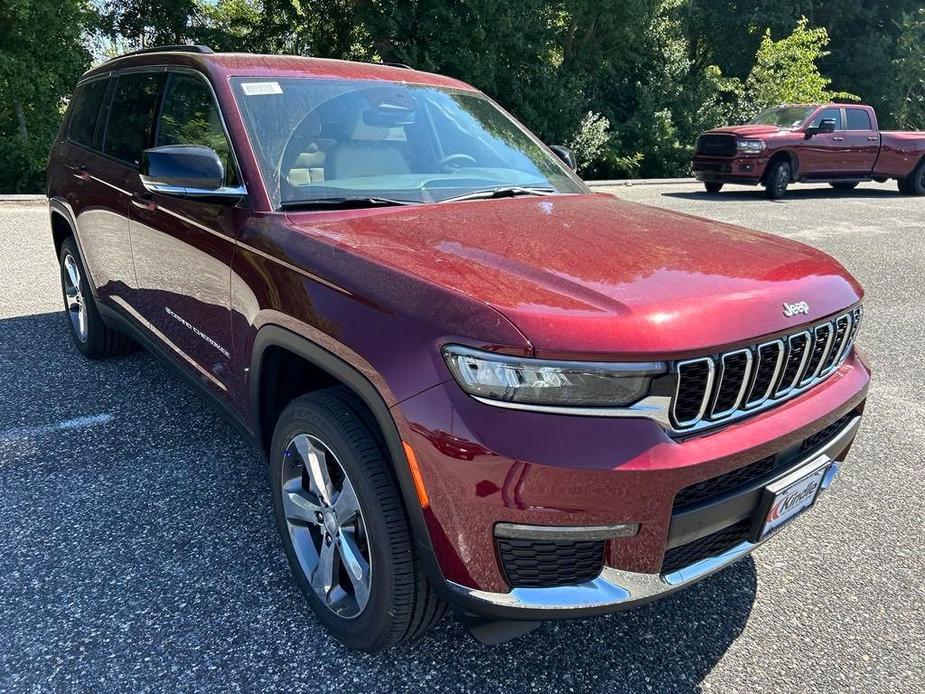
[21, 119]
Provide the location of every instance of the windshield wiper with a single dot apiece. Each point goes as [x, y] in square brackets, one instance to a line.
[504, 192]
[344, 202]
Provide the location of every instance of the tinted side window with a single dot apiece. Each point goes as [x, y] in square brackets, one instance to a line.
[190, 116]
[858, 119]
[87, 103]
[131, 115]
[833, 113]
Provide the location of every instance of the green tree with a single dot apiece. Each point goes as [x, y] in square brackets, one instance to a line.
[907, 96]
[42, 54]
[786, 71]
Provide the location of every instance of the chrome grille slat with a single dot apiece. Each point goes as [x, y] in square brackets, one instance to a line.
[761, 375]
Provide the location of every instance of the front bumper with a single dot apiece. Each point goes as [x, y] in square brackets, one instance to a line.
[747, 170]
[484, 467]
[615, 590]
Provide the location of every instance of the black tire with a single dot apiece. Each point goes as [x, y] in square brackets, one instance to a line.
[845, 185]
[777, 179]
[713, 186]
[98, 340]
[401, 603]
[914, 183]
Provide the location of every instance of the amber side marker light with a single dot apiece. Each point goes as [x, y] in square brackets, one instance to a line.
[416, 475]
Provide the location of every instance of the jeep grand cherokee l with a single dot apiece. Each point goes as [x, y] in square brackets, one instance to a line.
[838, 144]
[477, 383]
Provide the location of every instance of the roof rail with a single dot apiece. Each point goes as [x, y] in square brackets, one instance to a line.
[165, 49]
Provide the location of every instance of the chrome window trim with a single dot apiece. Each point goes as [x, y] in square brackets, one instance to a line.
[775, 376]
[742, 386]
[707, 395]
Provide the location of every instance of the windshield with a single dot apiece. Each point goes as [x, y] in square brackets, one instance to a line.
[331, 140]
[783, 116]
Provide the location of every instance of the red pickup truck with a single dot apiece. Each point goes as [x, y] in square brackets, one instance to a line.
[837, 144]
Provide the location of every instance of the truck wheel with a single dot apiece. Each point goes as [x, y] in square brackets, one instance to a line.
[713, 186]
[778, 178]
[344, 527]
[845, 185]
[93, 338]
[914, 183]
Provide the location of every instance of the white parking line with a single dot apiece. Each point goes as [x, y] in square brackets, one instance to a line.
[76, 423]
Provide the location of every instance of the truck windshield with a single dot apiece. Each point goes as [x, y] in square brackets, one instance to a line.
[325, 142]
[783, 116]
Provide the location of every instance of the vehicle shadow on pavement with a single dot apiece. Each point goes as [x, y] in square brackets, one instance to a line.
[798, 193]
[139, 552]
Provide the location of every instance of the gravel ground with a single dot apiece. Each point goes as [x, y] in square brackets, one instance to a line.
[137, 551]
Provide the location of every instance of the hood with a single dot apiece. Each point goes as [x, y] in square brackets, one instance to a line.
[591, 274]
[747, 130]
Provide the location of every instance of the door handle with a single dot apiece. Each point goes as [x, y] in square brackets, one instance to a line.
[871, 139]
[838, 139]
[81, 172]
[144, 201]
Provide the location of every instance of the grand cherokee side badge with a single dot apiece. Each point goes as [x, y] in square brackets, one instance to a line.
[797, 308]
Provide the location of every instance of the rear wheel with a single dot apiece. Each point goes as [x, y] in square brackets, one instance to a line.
[914, 183]
[845, 185]
[344, 527]
[713, 186]
[91, 336]
[778, 178]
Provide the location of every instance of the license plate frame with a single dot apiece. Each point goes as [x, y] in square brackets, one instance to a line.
[803, 484]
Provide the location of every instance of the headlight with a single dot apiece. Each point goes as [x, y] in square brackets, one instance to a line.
[549, 383]
[750, 146]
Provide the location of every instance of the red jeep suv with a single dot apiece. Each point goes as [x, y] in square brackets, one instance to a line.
[478, 384]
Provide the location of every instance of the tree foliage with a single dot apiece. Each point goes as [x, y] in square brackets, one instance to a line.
[628, 83]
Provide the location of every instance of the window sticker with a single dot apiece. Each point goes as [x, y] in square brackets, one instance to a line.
[261, 88]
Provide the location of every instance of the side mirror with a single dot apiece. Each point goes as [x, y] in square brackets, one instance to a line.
[566, 155]
[186, 171]
[826, 125]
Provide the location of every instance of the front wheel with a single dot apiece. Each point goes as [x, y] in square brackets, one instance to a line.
[713, 186]
[778, 178]
[344, 527]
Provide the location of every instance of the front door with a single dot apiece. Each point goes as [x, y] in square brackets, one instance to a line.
[183, 247]
[822, 156]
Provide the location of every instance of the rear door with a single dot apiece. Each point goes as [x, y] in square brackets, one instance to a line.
[183, 247]
[96, 195]
[862, 142]
[822, 155]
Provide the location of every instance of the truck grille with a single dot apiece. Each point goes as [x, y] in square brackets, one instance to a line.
[716, 145]
[545, 563]
[720, 388]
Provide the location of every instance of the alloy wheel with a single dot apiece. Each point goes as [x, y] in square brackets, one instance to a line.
[74, 299]
[326, 526]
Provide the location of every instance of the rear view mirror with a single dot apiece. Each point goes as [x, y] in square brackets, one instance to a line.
[185, 170]
[566, 155]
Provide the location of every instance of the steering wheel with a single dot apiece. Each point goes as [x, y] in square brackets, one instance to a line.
[460, 160]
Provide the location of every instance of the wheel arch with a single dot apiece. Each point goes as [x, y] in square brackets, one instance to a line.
[331, 369]
[62, 223]
[790, 157]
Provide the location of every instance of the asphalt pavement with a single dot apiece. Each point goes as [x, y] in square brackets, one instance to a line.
[137, 550]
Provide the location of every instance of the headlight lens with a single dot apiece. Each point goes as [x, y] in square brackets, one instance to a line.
[549, 383]
[750, 146]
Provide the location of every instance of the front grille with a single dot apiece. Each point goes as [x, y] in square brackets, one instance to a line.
[546, 563]
[716, 145]
[724, 483]
[758, 375]
[710, 546]
[744, 476]
[820, 437]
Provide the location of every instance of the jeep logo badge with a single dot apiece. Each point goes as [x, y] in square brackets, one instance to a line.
[797, 308]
